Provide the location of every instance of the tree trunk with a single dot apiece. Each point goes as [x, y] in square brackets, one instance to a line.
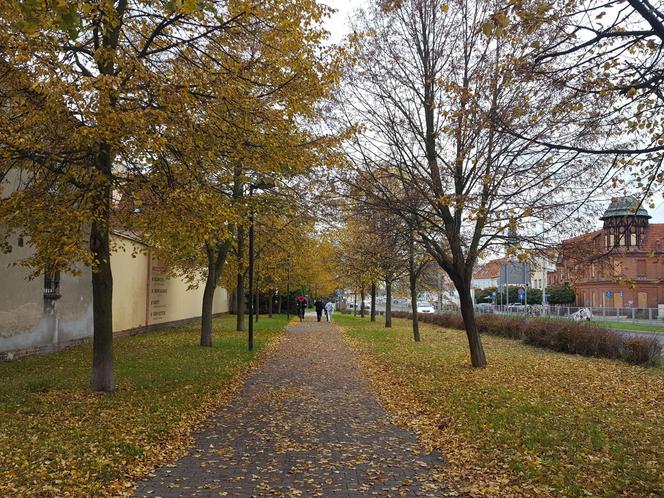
[102, 282]
[388, 303]
[280, 304]
[477, 357]
[102, 310]
[355, 303]
[373, 302]
[412, 280]
[239, 291]
[362, 302]
[240, 280]
[270, 304]
[216, 261]
[232, 307]
[208, 301]
[413, 301]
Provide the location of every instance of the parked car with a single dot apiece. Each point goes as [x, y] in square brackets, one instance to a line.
[423, 307]
[516, 308]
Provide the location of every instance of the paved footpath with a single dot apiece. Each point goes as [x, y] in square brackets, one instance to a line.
[305, 424]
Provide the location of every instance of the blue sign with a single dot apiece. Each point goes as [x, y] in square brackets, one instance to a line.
[608, 293]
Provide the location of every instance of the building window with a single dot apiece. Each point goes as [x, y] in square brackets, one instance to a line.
[52, 285]
[611, 241]
[641, 268]
[633, 239]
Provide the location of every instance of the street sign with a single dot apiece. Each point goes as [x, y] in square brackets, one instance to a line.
[515, 273]
[608, 293]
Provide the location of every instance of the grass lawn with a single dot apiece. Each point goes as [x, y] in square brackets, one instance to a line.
[641, 327]
[59, 439]
[533, 423]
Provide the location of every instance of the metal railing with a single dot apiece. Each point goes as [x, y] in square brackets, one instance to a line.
[636, 315]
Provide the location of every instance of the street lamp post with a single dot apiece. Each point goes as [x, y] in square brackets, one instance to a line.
[252, 187]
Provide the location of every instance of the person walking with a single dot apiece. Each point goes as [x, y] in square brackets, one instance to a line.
[301, 303]
[329, 308]
[320, 306]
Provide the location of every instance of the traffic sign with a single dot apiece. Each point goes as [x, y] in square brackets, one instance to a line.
[608, 294]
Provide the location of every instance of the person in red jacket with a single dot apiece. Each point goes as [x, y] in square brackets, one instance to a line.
[301, 303]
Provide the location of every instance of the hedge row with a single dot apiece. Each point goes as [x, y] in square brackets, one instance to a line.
[558, 335]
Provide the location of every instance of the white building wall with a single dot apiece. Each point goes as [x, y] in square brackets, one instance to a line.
[25, 325]
[484, 283]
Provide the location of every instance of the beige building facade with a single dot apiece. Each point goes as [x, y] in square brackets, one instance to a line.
[144, 297]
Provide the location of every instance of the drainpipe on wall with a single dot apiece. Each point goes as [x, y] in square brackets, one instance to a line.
[56, 331]
[147, 290]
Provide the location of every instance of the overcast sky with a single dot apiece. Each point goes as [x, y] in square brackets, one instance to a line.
[338, 24]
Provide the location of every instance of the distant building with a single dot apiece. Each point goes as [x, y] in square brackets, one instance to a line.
[540, 268]
[621, 265]
[488, 274]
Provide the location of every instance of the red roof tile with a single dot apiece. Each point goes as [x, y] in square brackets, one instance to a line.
[490, 269]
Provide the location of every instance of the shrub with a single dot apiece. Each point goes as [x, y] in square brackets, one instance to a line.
[642, 351]
[558, 335]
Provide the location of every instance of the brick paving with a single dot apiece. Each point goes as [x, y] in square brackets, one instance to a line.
[305, 424]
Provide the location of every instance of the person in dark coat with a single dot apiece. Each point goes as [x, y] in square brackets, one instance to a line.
[319, 305]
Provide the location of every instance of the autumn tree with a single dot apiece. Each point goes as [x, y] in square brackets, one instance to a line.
[610, 51]
[110, 67]
[252, 133]
[354, 255]
[432, 82]
[606, 58]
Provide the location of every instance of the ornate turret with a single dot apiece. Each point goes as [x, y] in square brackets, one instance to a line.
[625, 223]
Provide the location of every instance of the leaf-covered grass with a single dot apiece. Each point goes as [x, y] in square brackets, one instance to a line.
[533, 422]
[57, 438]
